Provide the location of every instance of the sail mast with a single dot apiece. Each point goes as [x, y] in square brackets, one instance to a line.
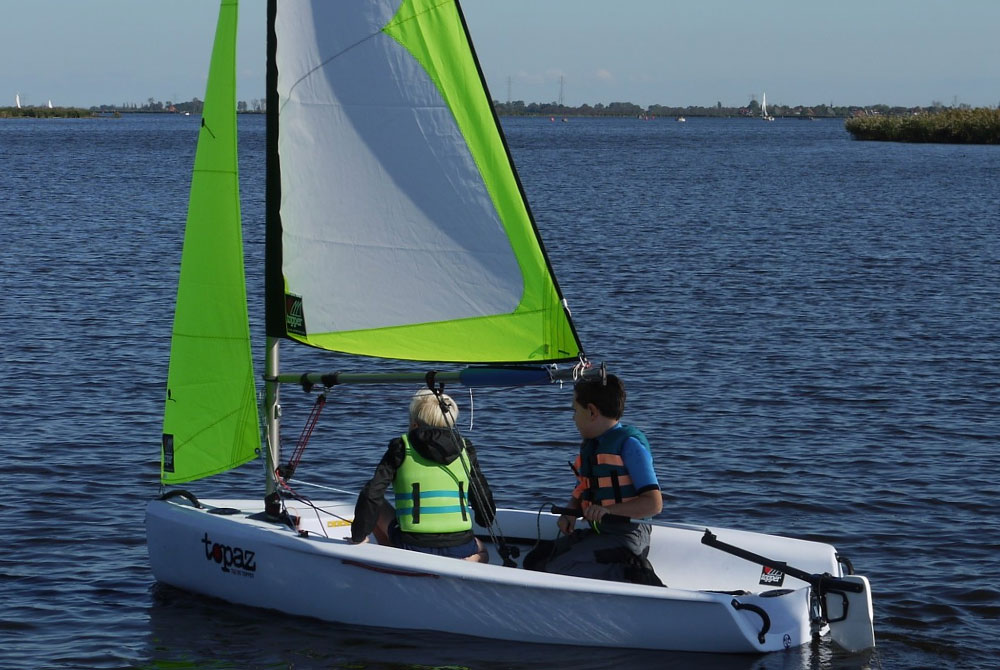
[272, 262]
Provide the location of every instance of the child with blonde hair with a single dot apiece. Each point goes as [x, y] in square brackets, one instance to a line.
[437, 485]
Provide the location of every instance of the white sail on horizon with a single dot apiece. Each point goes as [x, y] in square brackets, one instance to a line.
[763, 108]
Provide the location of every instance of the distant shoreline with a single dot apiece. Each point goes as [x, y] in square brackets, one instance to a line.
[520, 108]
[88, 114]
[46, 113]
[948, 126]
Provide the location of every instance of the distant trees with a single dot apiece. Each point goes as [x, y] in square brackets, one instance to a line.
[193, 106]
[554, 109]
[628, 109]
[44, 112]
[152, 105]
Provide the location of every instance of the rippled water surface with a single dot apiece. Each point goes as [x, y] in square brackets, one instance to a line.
[808, 327]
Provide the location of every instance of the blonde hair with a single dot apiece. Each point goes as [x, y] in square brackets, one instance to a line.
[426, 410]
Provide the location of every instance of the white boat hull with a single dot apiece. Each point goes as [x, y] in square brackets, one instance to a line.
[320, 574]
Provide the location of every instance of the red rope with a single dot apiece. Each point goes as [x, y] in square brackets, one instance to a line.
[303, 440]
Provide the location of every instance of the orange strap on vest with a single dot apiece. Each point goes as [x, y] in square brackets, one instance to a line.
[583, 483]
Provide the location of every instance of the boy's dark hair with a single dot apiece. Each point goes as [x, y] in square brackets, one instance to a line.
[608, 398]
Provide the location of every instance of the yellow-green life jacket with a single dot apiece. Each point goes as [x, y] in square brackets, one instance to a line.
[432, 497]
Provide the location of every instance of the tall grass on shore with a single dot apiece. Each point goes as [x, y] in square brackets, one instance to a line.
[44, 113]
[953, 126]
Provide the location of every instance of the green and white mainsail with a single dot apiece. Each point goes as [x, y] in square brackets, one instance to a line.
[210, 420]
[401, 230]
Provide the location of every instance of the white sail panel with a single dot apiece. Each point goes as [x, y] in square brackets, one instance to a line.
[386, 220]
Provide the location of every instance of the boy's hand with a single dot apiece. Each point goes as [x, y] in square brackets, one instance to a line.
[566, 523]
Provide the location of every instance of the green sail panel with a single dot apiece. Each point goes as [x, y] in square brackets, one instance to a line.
[210, 421]
[404, 232]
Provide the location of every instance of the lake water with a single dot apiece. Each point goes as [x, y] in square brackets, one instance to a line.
[808, 327]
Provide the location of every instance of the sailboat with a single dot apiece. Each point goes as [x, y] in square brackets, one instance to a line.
[17, 100]
[386, 162]
[763, 108]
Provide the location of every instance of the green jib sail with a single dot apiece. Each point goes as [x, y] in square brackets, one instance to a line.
[402, 227]
[210, 420]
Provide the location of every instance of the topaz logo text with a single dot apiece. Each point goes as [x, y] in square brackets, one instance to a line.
[235, 560]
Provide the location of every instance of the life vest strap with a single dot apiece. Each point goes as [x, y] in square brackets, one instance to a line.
[420, 503]
[616, 486]
[444, 509]
[415, 510]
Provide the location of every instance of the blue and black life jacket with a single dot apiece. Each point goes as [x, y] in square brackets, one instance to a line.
[602, 476]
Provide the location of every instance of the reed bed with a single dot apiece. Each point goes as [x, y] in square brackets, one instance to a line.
[953, 126]
[44, 113]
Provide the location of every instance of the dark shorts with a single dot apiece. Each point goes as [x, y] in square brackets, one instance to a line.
[463, 550]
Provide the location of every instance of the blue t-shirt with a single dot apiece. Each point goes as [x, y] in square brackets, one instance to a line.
[639, 463]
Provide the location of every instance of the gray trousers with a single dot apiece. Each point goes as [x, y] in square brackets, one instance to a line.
[587, 553]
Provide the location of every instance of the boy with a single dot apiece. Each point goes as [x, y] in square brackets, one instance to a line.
[615, 476]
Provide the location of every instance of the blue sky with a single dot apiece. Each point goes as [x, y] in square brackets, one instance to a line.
[695, 52]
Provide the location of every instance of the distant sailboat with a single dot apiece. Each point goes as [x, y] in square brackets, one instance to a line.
[763, 108]
[17, 100]
[50, 104]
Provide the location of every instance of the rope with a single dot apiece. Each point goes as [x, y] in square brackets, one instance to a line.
[472, 408]
[475, 488]
[283, 474]
[309, 503]
[582, 365]
[304, 436]
[325, 488]
[538, 524]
